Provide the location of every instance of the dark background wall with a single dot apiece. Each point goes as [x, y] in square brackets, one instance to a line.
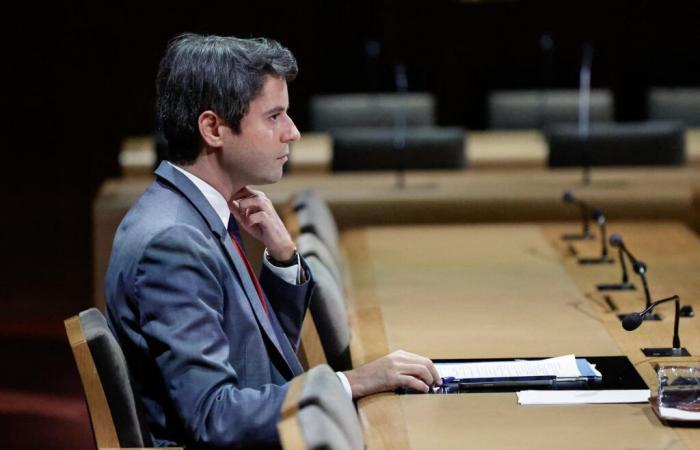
[80, 78]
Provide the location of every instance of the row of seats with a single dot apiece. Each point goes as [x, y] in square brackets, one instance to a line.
[398, 132]
[537, 109]
[317, 412]
[604, 144]
[326, 331]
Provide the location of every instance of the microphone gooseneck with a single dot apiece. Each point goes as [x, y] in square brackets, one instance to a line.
[634, 320]
[569, 197]
[639, 267]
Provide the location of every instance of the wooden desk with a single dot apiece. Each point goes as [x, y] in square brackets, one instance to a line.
[495, 290]
[485, 150]
[362, 199]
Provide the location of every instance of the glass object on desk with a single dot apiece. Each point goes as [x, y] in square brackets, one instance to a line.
[679, 387]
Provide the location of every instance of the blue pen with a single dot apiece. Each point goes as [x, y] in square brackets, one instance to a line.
[446, 380]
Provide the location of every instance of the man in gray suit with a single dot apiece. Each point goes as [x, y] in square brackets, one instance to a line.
[210, 346]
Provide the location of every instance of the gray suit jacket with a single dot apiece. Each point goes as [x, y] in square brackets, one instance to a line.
[209, 365]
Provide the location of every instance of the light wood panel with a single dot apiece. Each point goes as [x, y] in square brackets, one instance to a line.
[484, 150]
[441, 197]
[443, 291]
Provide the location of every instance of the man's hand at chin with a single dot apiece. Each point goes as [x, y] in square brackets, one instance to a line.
[256, 214]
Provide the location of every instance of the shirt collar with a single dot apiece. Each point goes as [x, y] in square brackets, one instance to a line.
[214, 197]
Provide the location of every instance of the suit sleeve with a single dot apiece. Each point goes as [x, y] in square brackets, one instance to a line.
[180, 303]
[290, 301]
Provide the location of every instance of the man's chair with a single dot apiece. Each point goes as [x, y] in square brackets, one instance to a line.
[309, 244]
[329, 311]
[334, 112]
[682, 104]
[114, 410]
[626, 144]
[417, 148]
[543, 108]
[318, 414]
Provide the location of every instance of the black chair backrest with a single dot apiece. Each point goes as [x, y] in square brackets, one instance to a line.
[114, 376]
[332, 112]
[542, 108]
[678, 104]
[390, 149]
[631, 144]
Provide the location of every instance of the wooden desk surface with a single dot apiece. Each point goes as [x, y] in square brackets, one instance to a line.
[373, 198]
[362, 199]
[485, 150]
[509, 291]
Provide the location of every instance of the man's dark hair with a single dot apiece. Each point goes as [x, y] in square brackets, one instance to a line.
[222, 74]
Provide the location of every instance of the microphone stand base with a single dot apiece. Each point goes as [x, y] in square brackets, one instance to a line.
[589, 261]
[651, 317]
[578, 237]
[665, 351]
[616, 287]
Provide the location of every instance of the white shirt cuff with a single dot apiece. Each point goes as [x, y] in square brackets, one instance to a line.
[291, 274]
[346, 384]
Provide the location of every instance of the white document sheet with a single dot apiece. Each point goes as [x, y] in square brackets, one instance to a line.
[581, 397]
[561, 367]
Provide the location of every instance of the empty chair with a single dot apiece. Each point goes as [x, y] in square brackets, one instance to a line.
[314, 216]
[331, 112]
[329, 311]
[543, 108]
[309, 244]
[630, 144]
[114, 410]
[681, 105]
[317, 413]
[390, 149]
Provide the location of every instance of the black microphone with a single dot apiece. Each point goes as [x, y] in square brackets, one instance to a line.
[625, 285]
[568, 197]
[599, 217]
[634, 320]
[639, 267]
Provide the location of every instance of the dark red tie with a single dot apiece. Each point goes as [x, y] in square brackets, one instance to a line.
[235, 237]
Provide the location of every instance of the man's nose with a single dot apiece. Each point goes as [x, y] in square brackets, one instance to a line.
[292, 134]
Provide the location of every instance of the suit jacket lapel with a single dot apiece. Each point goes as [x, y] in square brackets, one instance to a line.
[252, 295]
[195, 197]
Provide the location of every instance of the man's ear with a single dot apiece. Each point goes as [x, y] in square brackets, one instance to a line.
[209, 128]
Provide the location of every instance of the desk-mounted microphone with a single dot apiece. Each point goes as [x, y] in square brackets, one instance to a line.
[625, 285]
[568, 197]
[634, 320]
[599, 217]
[640, 268]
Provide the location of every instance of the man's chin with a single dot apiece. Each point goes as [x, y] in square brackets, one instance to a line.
[271, 179]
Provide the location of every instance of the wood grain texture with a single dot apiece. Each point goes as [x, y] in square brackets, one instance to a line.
[508, 291]
[100, 414]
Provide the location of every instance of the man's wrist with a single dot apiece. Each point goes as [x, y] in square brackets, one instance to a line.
[289, 262]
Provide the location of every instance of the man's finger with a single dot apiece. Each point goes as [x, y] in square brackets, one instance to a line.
[407, 381]
[419, 371]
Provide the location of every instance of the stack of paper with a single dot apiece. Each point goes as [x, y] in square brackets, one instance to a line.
[580, 397]
[560, 368]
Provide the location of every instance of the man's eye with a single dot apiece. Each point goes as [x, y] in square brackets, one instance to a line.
[274, 117]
